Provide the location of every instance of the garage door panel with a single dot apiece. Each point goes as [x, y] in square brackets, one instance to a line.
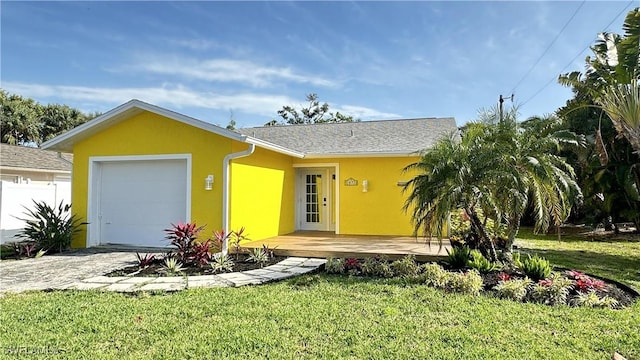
[141, 198]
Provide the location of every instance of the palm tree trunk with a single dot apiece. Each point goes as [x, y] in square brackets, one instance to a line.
[514, 228]
[476, 223]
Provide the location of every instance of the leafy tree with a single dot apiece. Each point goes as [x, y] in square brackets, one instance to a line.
[313, 113]
[25, 121]
[612, 78]
[19, 119]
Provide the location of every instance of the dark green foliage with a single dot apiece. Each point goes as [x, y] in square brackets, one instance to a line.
[314, 113]
[481, 263]
[536, 268]
[458, 257]
[51, 228]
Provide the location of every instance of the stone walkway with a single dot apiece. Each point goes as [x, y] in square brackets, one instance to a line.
[85, 269]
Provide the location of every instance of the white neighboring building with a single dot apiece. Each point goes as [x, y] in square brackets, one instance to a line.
[28, 174]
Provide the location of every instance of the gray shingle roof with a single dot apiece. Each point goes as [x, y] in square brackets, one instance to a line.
[33, 158]
[383, 136]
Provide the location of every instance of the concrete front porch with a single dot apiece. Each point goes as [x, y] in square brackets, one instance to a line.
[322, 244]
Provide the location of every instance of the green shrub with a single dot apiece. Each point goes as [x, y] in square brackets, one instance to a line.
[335, 266]
[537, 268]
[405, 267]
[516, 259]
[458, 257]
[221, 263]
[466, 283]
[552, 291]
[591, 299]
[376, 266]
[259, 255]
[480, 263]
[434, 275]
[513, 289]
[49, 227]
[172, 266]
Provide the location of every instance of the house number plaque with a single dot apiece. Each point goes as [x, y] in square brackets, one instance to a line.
[351, 182]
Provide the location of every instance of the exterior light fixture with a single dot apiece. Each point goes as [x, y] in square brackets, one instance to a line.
[365, 185]
[208, 182]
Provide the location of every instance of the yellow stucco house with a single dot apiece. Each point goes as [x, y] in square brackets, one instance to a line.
[140, 167]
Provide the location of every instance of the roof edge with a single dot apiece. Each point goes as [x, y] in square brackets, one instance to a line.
[364, 154]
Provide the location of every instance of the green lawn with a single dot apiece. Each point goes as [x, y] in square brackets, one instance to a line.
[612, 259]
[333, 317]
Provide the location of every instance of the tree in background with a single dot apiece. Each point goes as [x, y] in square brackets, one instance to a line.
[313, 113]
[25, 121]
[606, 110]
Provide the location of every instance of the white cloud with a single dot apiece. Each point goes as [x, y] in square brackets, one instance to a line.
[177, 96]
[364, 113]
[225, 70]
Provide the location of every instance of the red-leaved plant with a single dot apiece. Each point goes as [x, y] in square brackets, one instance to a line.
[503, 276]
[584, 283]
[183, 238]
[145, 260]
[351, 264]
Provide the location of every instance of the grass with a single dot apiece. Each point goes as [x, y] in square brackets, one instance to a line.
[612, 259]
[330, 317]
[333, 317]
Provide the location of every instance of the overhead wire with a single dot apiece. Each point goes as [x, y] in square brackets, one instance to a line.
[548, 47]
[577, 55]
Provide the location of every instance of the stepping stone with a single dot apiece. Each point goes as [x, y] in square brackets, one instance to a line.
[120, 287]
[163, 287]
[104, 279]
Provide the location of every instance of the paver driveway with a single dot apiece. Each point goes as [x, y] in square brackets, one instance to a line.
[60, 271]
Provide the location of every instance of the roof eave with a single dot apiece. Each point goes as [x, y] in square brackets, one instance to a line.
[402, 153]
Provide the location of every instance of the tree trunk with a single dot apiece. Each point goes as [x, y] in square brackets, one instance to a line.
[484, 238]
[514, 227]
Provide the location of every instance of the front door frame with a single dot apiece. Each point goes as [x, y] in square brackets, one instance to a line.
[336, 191]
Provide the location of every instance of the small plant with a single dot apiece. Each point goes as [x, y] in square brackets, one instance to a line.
[259, 255]
[201, 253]
[172, 265]
[536, 268]
[515, 289]
[503, 276]
[466, 283]
[352, 266]
[434, 275]
[516, 260]
[458, 257]
[552, 291]
[584, 283]
[335, 266]
[306, 281]
[27, 249]
[145, 260]
[49, 227]
[183, 237]
[405, 267]
[221, 263]
[40, 253]
[480, 263]
[376, 266]
[235, 239]
[591, 299]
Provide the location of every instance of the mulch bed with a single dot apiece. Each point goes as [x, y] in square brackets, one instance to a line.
[157, 268]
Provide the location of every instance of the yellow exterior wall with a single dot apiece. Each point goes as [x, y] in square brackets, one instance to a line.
[378, 211]
[262, 193]
[152, 134]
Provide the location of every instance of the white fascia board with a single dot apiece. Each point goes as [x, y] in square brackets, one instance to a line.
[274, 147]
[363, 154]
[14, 168]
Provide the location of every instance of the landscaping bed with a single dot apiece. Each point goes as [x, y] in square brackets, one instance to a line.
[518, 283]
[241, 262]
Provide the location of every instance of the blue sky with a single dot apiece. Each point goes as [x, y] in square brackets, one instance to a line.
[372, 60]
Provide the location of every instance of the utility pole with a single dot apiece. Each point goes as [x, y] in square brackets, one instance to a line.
[500, 101]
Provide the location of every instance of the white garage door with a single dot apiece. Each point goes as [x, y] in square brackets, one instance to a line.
[138, 199]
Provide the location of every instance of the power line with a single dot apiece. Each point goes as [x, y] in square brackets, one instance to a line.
[577, 55]
[548, 47]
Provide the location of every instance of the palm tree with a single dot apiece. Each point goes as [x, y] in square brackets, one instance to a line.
[498, 168]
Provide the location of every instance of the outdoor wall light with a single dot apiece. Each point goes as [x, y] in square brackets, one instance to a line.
[365, 185]
[208, 182]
